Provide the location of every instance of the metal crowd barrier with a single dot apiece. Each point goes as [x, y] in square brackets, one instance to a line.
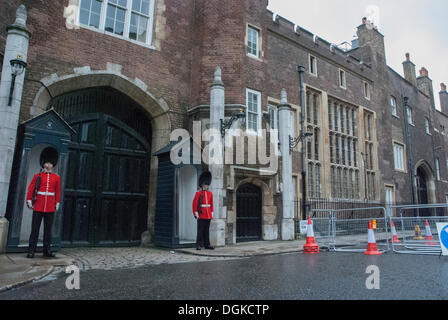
[340, 234]
[334, 231]
[412, 233]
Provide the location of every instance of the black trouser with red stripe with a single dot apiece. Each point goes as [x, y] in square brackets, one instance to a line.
[203, 236]
[35, 227]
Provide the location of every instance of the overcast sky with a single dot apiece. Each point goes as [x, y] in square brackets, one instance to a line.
[414, 26]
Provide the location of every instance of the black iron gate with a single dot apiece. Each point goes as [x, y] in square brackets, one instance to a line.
[248, 213]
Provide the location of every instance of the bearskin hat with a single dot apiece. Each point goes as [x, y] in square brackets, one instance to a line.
[49, 155]
[205, 178]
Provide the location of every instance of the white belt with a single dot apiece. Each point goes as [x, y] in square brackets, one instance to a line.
[46, 193]
[205, 205]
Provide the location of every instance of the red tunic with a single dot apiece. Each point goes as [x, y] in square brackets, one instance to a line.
[49, 192]
[207, 205]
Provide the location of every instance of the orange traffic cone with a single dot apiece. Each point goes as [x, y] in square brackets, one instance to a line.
[394, 234]
[372, 248]
[428, 234]
[311, 247]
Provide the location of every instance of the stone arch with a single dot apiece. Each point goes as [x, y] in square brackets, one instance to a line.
[431, 186]
[156, 110]
[269, 210]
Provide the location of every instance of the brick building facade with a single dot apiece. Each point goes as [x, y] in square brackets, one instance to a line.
[158, 57]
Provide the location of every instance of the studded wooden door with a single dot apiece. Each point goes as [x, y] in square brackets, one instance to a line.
[107, 183]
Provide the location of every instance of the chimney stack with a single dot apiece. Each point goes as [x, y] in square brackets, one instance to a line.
[443, 99]
[409, 70]
[424, 72]
[424, 84]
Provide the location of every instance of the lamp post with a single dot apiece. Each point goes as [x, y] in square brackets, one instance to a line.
[18, 66]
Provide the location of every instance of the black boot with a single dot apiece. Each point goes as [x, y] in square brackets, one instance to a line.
[49, 254]
[30, 254]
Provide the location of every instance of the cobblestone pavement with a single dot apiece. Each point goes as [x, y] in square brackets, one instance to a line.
[134, 257]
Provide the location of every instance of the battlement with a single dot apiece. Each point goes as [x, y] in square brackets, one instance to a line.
[313, 42]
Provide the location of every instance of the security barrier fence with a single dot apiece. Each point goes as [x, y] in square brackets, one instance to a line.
[350, 234]
[416, 233]
[346, 230]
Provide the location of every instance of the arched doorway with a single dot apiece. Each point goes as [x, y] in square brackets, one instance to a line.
[422, 190]
[106, 188]
[248, 213]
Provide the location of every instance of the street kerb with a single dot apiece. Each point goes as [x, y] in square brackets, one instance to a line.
[406, 227]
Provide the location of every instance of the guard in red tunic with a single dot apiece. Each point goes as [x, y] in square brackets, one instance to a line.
[46, 203]
[203, 211]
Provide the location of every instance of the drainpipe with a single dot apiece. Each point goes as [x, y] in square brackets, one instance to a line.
[408, 147]
[301, 70]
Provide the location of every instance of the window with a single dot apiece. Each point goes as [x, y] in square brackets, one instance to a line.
[427, 128]
[310, 180]
[343, 139]
[139, 20]
[313, 104]
[273, 117]
[342, 80]
[330, 116]
[409, 115]
[366, 90]
[89, 13]
[130, 19]
[393, 105]
[369, 154]
[437, 169]
[252, 41]
[399, 156]
[115, 16]
[313, 65]
[253, 110]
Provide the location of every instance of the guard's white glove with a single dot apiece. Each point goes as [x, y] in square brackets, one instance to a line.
[29, 204]
[57, 206]
[196, 215]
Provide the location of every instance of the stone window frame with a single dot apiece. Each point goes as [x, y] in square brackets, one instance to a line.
[390, 186]
[370, 156]
[295, 114]
[258, 44]
[403, 146]
[342, 79]
[350, 134]
[366, 87]
[394, 106]
[410, 118]
[437, 166]
[315, 159]
[259, 114]
[273, 116]
[126, 30]
[312, 64]
[427, 126]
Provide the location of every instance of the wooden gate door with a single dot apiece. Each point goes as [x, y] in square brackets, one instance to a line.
[106, 192]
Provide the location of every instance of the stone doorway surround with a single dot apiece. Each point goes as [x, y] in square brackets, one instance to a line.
[136, 89]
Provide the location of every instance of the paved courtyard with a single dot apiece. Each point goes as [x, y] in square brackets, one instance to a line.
[128, 258]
